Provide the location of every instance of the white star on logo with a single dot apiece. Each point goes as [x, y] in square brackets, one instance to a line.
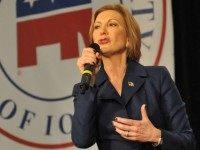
[31, 2]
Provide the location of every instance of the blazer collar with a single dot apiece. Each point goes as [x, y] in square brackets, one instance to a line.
[133, 80]
[135, 69]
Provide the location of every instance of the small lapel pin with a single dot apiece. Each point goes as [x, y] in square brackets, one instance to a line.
[131, 84]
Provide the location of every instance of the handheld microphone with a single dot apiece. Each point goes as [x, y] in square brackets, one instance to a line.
[88, 71]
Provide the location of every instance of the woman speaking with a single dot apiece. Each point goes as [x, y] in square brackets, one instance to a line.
[127, 106]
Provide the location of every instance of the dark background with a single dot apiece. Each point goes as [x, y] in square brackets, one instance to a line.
[186, 17]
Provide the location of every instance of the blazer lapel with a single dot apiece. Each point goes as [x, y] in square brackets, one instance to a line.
[134, 79]
[131, 86]
[135, 103]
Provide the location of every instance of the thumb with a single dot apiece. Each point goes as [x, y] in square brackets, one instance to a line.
[144, 112]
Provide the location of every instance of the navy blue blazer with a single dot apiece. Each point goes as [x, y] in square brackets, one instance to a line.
[95, 110]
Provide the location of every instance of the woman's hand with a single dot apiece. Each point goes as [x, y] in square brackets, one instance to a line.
[137, 130]
[88, 57]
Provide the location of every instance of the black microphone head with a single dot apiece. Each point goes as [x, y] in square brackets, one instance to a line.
[95, 46]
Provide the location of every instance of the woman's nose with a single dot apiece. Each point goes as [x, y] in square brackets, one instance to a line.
[103, 31]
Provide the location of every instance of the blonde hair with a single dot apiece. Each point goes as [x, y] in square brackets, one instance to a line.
[131, 27]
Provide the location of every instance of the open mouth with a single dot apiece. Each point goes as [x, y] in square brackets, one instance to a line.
[104, 41]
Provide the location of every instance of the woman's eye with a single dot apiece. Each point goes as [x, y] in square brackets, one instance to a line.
[96, 26]
[112, 24]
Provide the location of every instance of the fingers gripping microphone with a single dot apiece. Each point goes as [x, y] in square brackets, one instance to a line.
[88, 70]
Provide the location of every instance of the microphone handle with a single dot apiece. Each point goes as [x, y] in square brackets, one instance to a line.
[88, 71]
[86, 77]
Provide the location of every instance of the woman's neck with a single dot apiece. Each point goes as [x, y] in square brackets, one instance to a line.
[115, 66]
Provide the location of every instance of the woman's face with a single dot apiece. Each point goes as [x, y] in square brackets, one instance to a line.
[109, 32]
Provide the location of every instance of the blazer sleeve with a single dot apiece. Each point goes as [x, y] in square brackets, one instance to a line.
[84, 120]
[178, 135]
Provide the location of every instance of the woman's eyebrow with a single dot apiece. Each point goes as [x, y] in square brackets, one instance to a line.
[97, 22]
[113, 20]
[108, 20]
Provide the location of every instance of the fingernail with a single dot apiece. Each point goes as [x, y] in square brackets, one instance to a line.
[115, 118]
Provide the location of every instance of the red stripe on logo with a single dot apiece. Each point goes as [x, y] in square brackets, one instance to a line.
[61, 28]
